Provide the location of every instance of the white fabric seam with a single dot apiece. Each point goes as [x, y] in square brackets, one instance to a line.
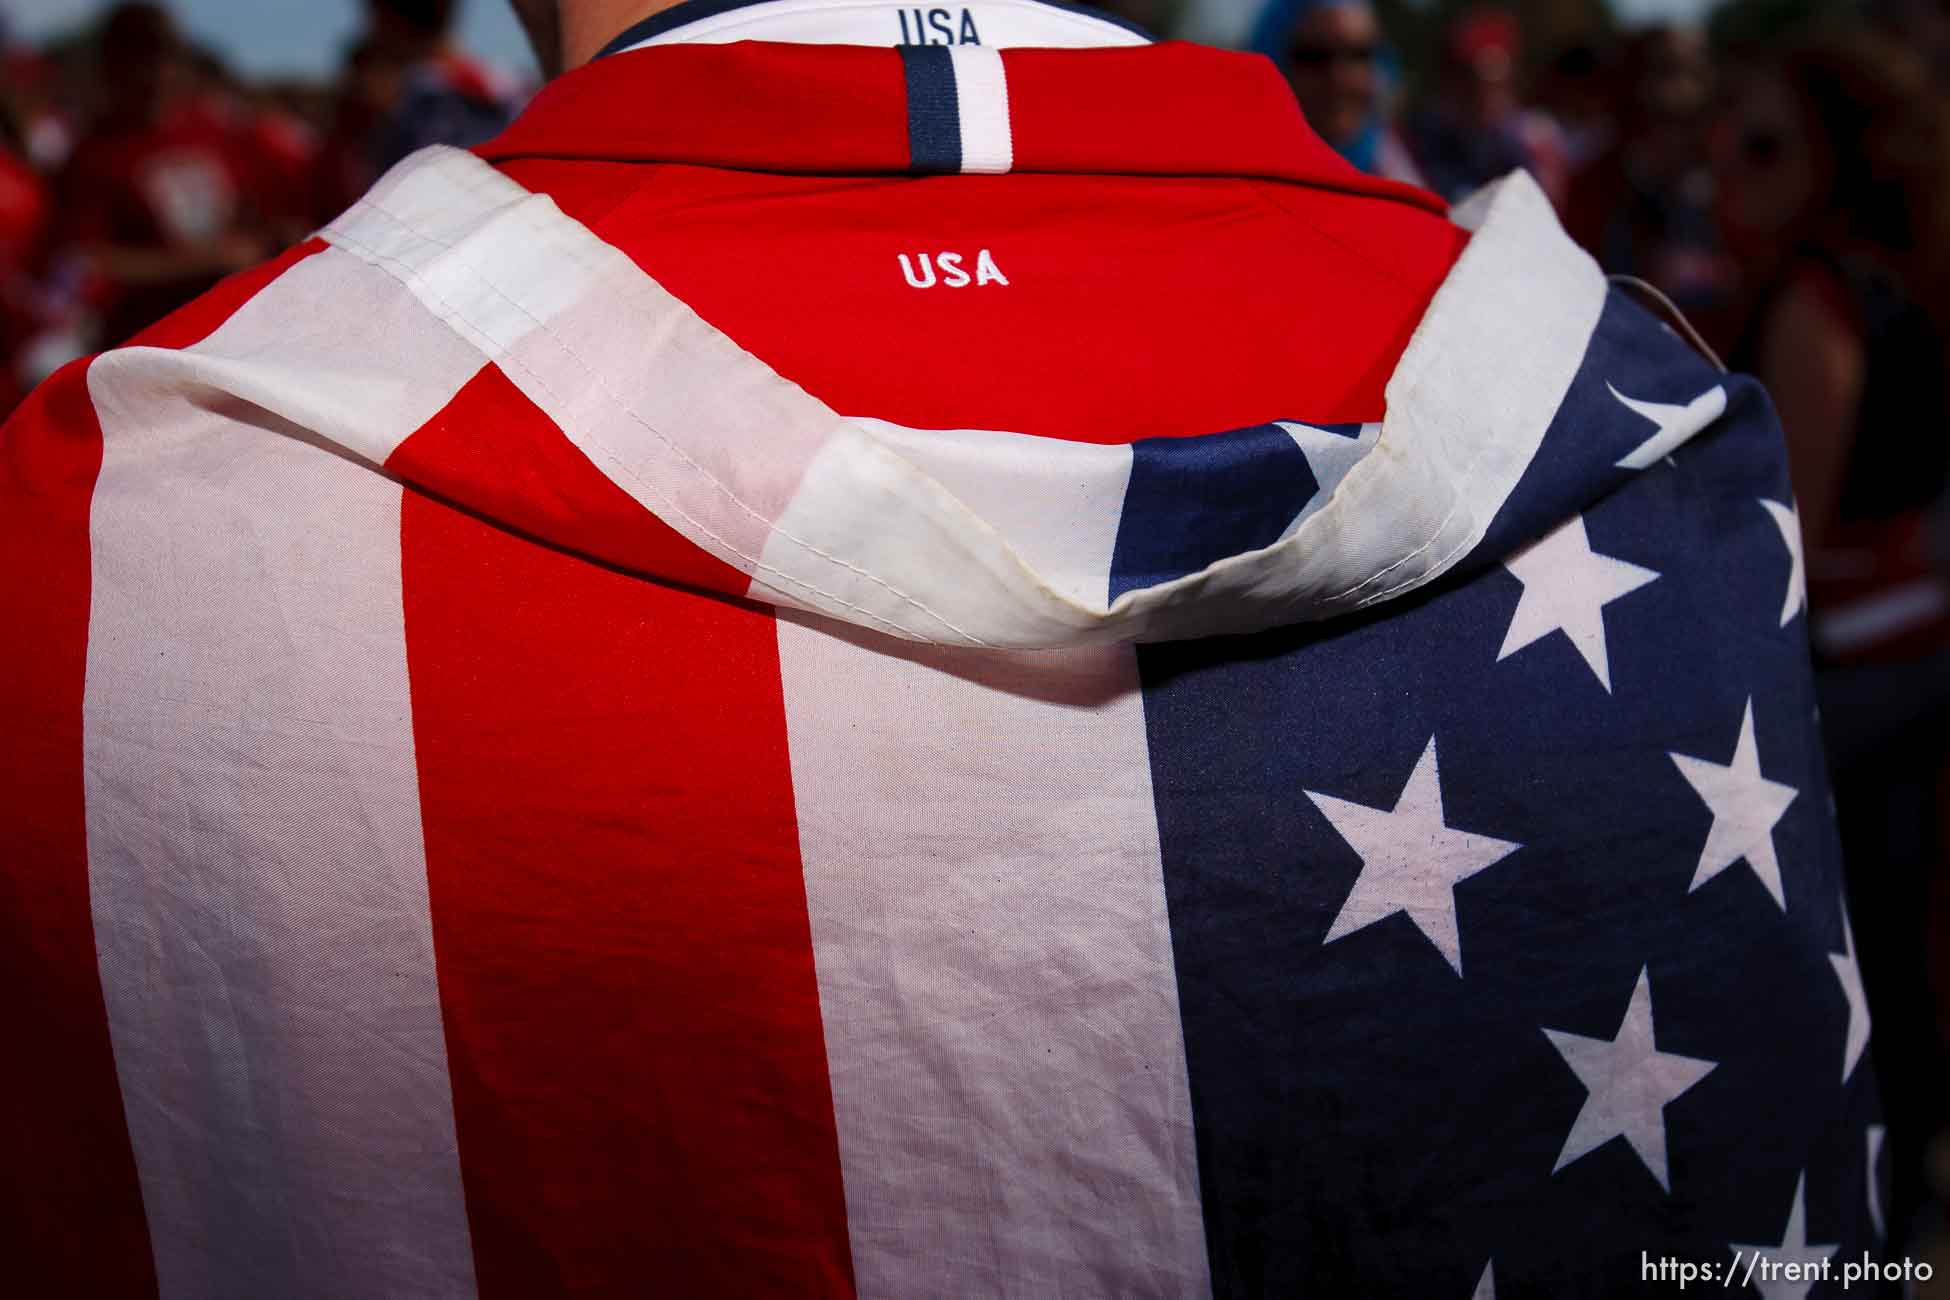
[1440, 566]
[417, 284]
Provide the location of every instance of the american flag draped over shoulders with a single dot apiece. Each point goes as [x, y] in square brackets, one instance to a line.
[516, 796]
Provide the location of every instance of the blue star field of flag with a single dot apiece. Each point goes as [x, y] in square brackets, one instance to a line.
[1535, 960]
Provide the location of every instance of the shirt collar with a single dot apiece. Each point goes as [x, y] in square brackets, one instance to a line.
[994, 24]
[1165, 109]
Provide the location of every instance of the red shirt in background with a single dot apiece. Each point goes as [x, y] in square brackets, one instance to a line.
[183, 183]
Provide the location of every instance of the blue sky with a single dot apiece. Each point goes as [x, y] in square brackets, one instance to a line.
[280, 37]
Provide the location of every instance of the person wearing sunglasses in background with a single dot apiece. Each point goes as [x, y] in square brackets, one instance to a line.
[1342, 72]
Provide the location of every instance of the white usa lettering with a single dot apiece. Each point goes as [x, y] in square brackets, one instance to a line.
[948, 269]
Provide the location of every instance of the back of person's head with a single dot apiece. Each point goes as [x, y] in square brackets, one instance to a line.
[413, 20]
[136, 30]
[140, 55]
[412, 28]
[1482, 53]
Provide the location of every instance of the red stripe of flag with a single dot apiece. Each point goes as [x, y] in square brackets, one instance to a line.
[71, 1213]
[71, 1220]
[619, 917]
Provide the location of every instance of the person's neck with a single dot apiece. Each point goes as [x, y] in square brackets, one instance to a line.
[588, 25]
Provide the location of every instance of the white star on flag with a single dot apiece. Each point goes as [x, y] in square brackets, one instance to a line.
[1485, 1285]
[1788, 520]
[1794, 1249]
[1850, 974]
[1676, 424]
[1411, 860]
[1566, 586]
[1629, 1083]
[1745, 806]
[1876, 1133]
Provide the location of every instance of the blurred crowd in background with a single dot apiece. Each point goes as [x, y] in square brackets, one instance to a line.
[1779, 173]
[137, 169]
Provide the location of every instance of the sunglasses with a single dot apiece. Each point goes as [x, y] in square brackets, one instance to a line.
[1313, 57]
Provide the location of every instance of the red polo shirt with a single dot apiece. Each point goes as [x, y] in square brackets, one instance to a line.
[1177, 251]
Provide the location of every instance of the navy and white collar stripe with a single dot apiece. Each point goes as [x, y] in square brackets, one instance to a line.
[993, 24]
[957, 109]
[957, 92]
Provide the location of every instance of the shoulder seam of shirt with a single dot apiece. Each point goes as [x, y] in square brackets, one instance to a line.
[1264, 190]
